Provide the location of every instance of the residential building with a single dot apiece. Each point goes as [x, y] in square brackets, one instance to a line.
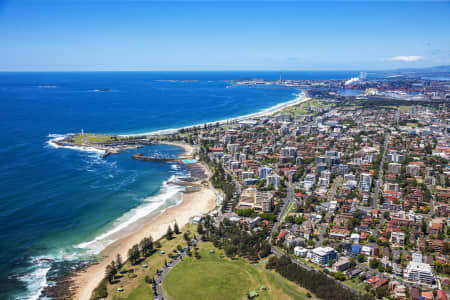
[419, 272]
[322, 255]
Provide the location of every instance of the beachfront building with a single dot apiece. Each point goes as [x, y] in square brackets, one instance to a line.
[256, 200]
[322, 255]
[419, 272]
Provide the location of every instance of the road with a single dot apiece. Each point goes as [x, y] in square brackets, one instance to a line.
[379, 182]
[157, 285]
[289, 198]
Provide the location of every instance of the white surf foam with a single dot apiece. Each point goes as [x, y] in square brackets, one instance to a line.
[59, 137]
[35, 281]
[168, 192]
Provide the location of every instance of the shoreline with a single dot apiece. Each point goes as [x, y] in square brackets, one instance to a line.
[300, 98]
[192, 204]
[55, 138]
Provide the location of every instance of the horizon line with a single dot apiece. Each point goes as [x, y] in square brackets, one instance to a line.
[230, 70]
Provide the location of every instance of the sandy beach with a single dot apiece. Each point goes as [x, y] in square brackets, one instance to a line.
[193, 204]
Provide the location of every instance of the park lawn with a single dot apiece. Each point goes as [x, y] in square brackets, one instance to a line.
[301, 109]
[136, 288]
[405, 107]
[411, 124]
[91, 138]
[214, 276]
[289, 287]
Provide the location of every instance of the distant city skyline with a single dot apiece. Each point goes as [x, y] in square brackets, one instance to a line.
[96, 35]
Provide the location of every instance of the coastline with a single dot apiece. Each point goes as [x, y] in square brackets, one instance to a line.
[300, 98]
[195, 203]
[192, 204]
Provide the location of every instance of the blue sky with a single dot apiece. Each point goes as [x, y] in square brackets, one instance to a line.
[211, 35]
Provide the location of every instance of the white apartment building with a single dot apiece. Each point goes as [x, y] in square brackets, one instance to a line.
[419, 272]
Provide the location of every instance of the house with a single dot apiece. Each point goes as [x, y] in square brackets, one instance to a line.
[441, 295]
[354, 237]
[427, 295]
[356, 249]
[414, 293]
[354, 272]
[398, 291]
[376, 282]
[340, 234]
[366, 250]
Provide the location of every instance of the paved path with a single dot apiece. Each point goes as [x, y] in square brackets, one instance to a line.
[157, 286]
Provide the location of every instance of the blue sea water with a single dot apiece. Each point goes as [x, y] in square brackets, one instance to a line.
[58, 205]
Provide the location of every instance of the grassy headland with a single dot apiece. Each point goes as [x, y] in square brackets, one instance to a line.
[93, 138]
[215, 276]
[304, 107]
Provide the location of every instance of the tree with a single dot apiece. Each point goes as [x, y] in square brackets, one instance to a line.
[133, 254]
[374, 263]
[382, 291]
[200, 229]
[169, 233]
[176, 229]
[446, 249]
[148, 279]
[424, 226]
[360, 258]
[146, 246]
[186, 236]
[109, 273]
[119, 263]
[339, 276]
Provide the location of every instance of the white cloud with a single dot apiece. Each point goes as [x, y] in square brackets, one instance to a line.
[410, 58]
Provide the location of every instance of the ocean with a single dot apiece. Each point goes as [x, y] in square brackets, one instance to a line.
[59, 206]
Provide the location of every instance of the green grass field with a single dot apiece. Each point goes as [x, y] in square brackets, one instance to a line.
[91, 138]
[301, 109]
[217, 277]
[405, 107]
[135, 288]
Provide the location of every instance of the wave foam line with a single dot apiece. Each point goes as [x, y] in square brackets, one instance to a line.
[168, 192]
[59, 137]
